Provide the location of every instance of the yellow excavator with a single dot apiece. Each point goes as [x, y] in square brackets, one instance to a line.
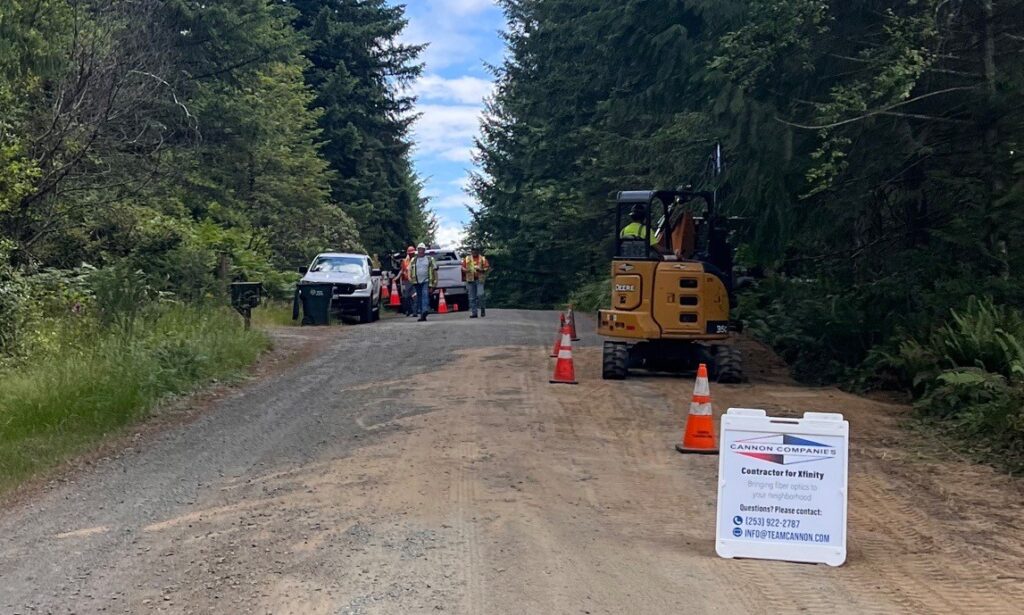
[672, 287]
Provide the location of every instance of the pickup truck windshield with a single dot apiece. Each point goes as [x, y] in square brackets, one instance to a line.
[339, 264]
[441, 257]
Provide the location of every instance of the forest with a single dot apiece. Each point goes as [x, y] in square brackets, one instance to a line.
[873, 171]
[198, 143]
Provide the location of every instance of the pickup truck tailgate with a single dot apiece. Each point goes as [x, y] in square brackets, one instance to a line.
[449, 277]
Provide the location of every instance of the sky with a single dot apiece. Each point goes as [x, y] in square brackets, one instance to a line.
[463, 37]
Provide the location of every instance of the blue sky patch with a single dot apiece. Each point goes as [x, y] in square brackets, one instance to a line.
[463, 36]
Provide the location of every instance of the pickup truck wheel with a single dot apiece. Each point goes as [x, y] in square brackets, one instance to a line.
[366, 312]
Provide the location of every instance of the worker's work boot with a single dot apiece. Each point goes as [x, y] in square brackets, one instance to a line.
[483, 312]
[422, 318]
[473, 315]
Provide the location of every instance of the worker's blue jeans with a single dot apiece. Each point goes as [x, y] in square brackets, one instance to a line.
[477, 298]
[423, 297]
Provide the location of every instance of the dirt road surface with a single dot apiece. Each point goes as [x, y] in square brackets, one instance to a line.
[430, 467]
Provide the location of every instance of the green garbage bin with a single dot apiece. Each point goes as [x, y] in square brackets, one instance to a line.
[315, 300]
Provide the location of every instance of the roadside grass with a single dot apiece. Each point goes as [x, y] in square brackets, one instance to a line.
[70, 395]
[274, 313]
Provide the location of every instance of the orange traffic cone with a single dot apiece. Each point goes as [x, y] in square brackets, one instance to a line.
[455, 306]
[385, 293]
[442, 305]
[699, 435]
[565, 373]
[396, 301]
[572, 324]
[558, 336]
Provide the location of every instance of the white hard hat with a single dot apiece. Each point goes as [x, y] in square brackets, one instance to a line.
[421, 245]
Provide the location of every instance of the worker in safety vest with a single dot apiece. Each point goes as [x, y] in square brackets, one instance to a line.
[423, 275]
[636, 229]
[474, 271]
[408, 305]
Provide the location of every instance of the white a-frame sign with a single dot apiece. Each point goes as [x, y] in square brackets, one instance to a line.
[782, 490]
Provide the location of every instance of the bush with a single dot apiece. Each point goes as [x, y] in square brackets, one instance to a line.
[983, 409]
[121, 293]
[592, 296]
[13, 311]
[60, 401]
[968, 373]
[821, 331]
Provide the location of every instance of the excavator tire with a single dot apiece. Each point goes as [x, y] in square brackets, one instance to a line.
[728, 365]
[614, 361]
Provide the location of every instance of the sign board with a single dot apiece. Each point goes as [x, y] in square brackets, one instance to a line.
[782, 487]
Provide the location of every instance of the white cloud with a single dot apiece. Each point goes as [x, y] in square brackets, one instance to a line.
[458, 31]
[446, 130]
[459, 154]
[464, 7]
[464, 90]
[463, 183]
[450, 235]
[453, 201]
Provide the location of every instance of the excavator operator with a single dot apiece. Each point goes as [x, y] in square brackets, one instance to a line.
[636, 229]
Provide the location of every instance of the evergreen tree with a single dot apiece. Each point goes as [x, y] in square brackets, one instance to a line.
[358, 70]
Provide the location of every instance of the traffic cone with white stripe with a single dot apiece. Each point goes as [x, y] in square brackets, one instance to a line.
[558, 336]
[442, 305]
[395, 301]
[571, 320]
[565, 373]
[699, 435]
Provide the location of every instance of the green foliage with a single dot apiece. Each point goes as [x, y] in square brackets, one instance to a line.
[121, 294]
[65, 398]
[985, 409]
[857, 143]
[13, 315]
[819, 329]
[592, 296]
[968, 372]
[985, 336]
[31, 34]
[245, 132]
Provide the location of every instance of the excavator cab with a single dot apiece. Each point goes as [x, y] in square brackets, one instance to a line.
[671, 287]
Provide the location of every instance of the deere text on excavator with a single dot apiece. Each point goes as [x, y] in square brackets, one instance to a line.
[672, 288]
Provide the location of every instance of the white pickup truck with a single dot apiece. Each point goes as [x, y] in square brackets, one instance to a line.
[449, 277]
[356, 284]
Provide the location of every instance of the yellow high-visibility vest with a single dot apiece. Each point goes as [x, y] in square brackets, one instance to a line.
[636, 230]
[476, 270]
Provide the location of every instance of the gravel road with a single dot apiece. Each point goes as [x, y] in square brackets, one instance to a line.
[428, 467]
